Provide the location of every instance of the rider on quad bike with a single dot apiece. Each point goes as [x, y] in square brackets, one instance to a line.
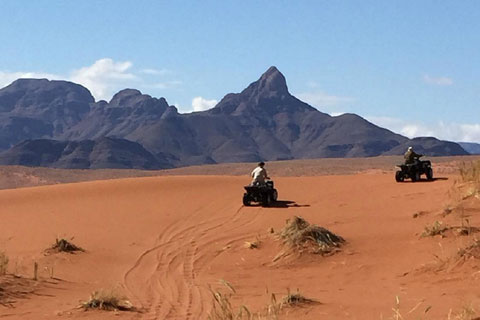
[260, 189]
[259, 174]
[411, 156]
[413, 167]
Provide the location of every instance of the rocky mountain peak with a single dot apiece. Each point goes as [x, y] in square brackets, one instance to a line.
[271, 84]
[124, 97]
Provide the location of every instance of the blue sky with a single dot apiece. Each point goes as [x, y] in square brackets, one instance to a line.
[411, 66]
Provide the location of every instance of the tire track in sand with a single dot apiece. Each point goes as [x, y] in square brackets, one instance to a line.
[162, 280]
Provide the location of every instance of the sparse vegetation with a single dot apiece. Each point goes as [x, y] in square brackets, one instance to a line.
[470, 174]
[437, 228]
[109, 300]
[471, 251]
[255, 244]
[63, 245]
[222, 308]
[447, 210]
[299, 234]
[3, 263]
[294, 299]
[397, 315]
[467, 313]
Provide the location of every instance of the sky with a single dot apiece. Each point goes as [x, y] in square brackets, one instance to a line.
[410, 66]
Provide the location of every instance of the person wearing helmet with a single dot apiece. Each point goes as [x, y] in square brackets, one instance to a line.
[411, 156]
[259, 174]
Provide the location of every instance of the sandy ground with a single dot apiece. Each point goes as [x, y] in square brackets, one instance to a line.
[164, 240]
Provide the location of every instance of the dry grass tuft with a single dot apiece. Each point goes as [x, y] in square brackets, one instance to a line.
[437, 228]
[295, 299]
[109, 300]
[467, 313]
[255, 244]
[223, 309]
[470, 174]
[63, 245]
[300, 235]
[3, 263]
[471, 251]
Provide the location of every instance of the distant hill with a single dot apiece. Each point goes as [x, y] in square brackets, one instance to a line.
[86, 154]
[428, 146]
[263, 122]
[470, 147]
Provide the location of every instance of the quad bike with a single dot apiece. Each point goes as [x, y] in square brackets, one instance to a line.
[264, 194]
[414, 170]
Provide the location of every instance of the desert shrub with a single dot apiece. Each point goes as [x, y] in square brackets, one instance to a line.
[62, 245]
[299, 234]
[295, 299]
[437, 228]
[3, 263]
[471, 251]
[109, 300]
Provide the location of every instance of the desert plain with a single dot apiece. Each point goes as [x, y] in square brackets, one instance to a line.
[169, 240]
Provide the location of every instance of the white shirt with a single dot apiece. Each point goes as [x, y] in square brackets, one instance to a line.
[259, 174]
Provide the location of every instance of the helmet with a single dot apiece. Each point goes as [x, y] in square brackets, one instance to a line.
[261, 164]
[410, 148]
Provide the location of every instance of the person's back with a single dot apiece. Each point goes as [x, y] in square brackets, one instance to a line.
[259, 174]
[410, 156]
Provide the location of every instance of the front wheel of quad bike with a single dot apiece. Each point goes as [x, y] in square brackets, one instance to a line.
[274, 195]
[399, 176]
[246, 200]
[429, 174]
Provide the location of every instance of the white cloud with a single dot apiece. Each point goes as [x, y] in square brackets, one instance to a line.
[104, 77]
[438, 81]
[201, 104]
[459, 132]
[320, 99]
[7, 78]
[155, 72]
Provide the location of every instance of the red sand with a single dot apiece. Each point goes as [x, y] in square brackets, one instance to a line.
[164, 240]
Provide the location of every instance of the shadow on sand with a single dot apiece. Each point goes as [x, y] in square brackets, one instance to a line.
[285, 204]
[428, 181]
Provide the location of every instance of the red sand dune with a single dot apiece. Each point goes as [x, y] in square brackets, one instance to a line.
[164, 240]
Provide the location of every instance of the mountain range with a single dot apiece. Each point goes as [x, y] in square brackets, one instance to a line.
[470, 147]
[59, 124]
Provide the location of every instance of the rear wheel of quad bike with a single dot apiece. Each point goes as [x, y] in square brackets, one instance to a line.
[267, 200]
[416, 177]
[246, 200]
[274, 195]
[429, 174]
[399, 176]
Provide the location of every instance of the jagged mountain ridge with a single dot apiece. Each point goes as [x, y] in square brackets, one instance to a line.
[263, 122]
